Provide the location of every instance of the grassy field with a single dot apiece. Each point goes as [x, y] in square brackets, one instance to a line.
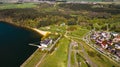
[12, 6]
[78, 32]
[73, 64]
[54, 29]
[59, 57]
[81, 61]
[34, 59]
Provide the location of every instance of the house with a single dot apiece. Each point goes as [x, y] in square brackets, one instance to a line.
[46, 42]
[104, 44]
[118, 53]
[114, 34]
[117, 45]
[116, 39]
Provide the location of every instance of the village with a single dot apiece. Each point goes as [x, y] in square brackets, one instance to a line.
[107, 42]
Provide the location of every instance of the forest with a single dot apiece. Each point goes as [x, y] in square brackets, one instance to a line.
[91, 16]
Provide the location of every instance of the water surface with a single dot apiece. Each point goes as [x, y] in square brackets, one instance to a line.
[14, 48]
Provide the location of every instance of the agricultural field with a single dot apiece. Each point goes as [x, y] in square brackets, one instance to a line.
[15, 5]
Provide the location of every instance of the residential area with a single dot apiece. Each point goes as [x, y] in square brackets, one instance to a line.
[107, 42]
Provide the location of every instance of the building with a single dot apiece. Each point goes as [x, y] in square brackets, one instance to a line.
[46, 42]
[118, 53]
[117, 46]
[116, 39]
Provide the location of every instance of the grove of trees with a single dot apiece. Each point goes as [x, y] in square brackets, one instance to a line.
[91, 16]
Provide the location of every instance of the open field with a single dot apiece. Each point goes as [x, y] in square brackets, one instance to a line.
[59, 57]
[34, 59]
[54, 29]
[73, 62]
[12, 6]
[77, 32]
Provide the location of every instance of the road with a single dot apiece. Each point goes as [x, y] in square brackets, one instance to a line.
[37, 65]
[87, 40]
[69, 54]
[85, 53]
[88, 60]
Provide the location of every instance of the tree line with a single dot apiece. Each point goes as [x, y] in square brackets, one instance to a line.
[99, 16]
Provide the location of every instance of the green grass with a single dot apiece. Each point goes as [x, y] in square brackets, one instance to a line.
[12, 6]
[54, 29]
[34, 59]
[81, 60]
[73, 64]
[79, 32]
[97, 58]
[59, 57]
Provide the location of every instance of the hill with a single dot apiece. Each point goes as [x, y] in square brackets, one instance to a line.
[61, 0]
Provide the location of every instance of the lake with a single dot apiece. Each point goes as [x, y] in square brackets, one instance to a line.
[14, 48]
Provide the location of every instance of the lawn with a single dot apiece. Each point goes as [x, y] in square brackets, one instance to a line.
[34, 59]
[59, 57]
[78, 32]
[12, 6]
[55, 29]
[81, 61]
[73, 64]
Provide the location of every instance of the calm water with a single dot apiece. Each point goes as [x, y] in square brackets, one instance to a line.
[14, 48]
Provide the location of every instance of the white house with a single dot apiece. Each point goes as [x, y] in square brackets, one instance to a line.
[45, 43]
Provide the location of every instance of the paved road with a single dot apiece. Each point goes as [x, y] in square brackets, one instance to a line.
[85, 53]
[88, 60]
[75, 57]
[69, 54]
[87, 40]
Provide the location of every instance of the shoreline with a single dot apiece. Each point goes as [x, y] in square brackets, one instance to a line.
[44, 33]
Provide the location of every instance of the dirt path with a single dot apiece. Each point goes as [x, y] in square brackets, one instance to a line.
[37, 65]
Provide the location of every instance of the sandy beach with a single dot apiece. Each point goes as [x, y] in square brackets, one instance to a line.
[40, 31]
